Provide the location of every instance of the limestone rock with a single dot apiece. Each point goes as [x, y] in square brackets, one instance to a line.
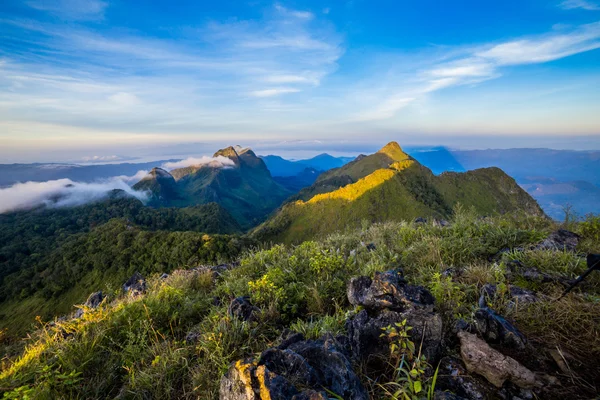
[497, 368]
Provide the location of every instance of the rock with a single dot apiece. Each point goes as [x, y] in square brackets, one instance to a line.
[518, 295]
[135, 285]
[420, 220]
[237, 383]
[241, 308]
[440, 222]
[387, 290]
[497, 330]
[367, 343]
[299, 372]
[164, 276]
[439, 395]
[291, 364]
[388, 300]
[192, 336]
[332, 367]
[311, 395]
[94, 299]
[216, 270]
[497, 368]
[532, 274]
[561, 239]
[453, 376]
[369, 246]
[290, 339]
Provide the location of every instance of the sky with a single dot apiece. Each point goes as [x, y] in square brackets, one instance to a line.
[110, 80]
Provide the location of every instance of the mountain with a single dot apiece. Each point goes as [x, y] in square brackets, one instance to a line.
[161, 185]
[295, 183]
[390, 185]
[245, 188]
[323, 162]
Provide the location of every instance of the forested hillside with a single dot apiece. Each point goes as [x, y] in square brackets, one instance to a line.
[51, 258]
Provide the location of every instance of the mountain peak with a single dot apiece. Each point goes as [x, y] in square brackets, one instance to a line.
[394, 151]
[157, 173]
[228, 152]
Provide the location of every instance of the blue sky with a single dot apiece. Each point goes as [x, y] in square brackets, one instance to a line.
[84, 78]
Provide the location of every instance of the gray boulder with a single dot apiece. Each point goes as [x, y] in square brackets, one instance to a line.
[135, 285]
[561, 239]
[387, 290]
[497, 330]
[497, 368]
[242, 308]
[298, 372]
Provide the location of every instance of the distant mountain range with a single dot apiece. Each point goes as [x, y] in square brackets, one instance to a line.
[390, 185]
[246, 188]
[323, 162]
[555, 178]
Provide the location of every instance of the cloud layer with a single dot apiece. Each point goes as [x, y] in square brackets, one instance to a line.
[64, 192]
[216, 162]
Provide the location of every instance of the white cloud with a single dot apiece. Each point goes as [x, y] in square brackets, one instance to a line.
[293, 13]
[215, 162]
[543, 49]
[72, 9]
[124, 99]
[274, 92]
[103, 159]
[386, 109]
[485, 62]
[72, 75]
[583, 4]
[62, 193]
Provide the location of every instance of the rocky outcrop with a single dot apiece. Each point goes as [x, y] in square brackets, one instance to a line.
[518, 296]
[497, 330]
[387, 290]
[497, 368]
[388, 300]
[561, 239]
[242, 308]
[93, 301]
[296, 370]
[454, 377]
[135, 285]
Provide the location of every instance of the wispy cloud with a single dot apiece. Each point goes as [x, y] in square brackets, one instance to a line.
[274, 91]
[67, 74]
[63, 193]
[485, 62]
[218, 162]
[81, 10]
[583, 4]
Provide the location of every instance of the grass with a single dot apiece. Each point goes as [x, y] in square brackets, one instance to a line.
[135, 347]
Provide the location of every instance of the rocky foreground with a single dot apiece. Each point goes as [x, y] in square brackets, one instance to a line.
[471, 311]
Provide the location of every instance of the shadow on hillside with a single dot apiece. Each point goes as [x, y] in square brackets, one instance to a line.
[437, 159]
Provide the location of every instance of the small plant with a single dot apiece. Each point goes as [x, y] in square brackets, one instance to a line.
[409, 381]
[448, 294]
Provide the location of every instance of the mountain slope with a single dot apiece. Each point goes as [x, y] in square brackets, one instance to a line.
[390, 185]
[246, 189]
